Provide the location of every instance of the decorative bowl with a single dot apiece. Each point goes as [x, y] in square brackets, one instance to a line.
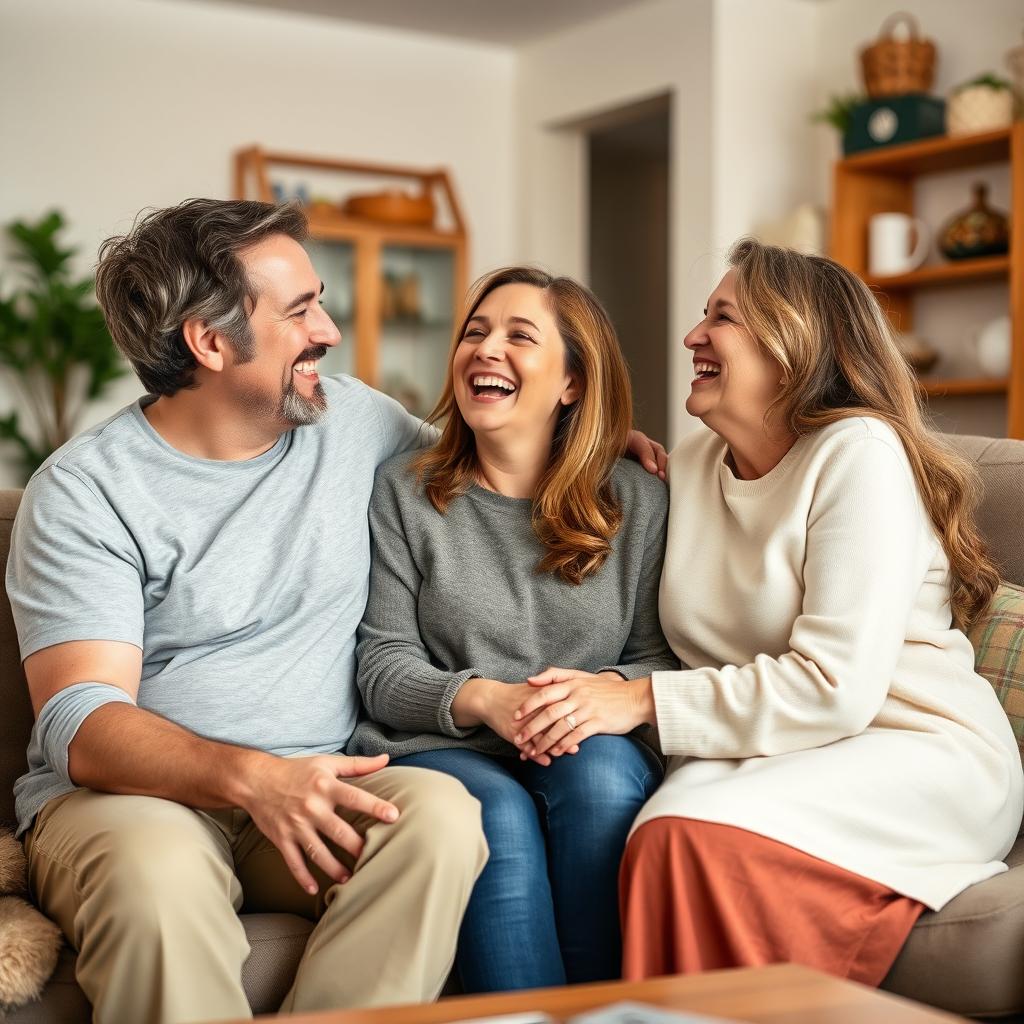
[392, 206]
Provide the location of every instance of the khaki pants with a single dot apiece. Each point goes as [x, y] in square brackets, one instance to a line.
[148, 892]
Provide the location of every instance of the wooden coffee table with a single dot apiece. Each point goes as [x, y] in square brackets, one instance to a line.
[783, 994]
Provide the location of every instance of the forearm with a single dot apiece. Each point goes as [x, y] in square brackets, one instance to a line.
[120, 748]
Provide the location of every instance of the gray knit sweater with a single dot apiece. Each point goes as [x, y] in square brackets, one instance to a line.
[458, 596]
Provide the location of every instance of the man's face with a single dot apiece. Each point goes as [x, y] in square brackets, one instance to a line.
[291, 333]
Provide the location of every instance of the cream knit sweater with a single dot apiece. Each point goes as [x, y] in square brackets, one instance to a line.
[830, 705]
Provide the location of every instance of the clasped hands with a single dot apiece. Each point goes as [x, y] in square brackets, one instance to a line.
[553, 712]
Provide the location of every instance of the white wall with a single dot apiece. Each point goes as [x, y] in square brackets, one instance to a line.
[765, 69]
[109, 106]
[739, 72]
[659, 47]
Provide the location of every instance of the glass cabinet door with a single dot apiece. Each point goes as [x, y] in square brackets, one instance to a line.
[334, 261]
[417, 320]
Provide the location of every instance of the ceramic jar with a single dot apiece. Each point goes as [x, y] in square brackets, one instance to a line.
[978, 231]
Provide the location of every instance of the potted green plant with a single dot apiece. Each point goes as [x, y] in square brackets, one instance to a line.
[53, 342]
[982, 104]
[839, 113]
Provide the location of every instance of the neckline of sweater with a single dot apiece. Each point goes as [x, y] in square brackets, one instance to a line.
[732, 484]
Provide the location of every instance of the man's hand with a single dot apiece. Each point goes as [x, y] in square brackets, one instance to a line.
[294, 802]
[492, 703]
[650, 454]
[568, 706]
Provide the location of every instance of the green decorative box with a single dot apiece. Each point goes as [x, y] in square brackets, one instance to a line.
[895, 119]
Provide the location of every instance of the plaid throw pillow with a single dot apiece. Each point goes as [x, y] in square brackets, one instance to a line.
[998, 640]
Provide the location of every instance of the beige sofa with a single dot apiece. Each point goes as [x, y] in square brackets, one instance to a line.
[969, 958]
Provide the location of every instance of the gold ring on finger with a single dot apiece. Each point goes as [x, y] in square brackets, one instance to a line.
[309, 851]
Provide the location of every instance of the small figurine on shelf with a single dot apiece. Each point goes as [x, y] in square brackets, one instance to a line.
[977, 231]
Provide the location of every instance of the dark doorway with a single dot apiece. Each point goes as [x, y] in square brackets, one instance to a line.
[628, 156]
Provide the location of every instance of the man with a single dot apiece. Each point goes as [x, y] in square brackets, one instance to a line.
[187, 579]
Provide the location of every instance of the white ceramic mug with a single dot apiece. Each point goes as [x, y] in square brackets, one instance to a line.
[891, 248]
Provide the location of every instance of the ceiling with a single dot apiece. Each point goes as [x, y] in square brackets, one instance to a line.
[505, 22]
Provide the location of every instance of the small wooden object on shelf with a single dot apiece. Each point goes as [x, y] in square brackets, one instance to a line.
[881, 181]
[328, 222]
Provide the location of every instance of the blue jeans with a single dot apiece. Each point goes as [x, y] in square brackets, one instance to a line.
[545, 909]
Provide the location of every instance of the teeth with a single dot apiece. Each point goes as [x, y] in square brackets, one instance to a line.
[480, 381]
[307, 367]
[703, 367]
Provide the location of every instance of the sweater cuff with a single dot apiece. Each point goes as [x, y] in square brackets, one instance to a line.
[679, 723]
[444, 712]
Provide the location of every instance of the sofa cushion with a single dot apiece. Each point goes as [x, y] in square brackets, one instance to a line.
[998, 641]
[969, 957]
[1000, 464]
[276, 941]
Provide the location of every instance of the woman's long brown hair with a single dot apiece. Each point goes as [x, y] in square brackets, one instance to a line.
[575, 512]
[839, 359]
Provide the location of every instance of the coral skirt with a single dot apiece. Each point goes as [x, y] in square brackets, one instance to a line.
[696, 896]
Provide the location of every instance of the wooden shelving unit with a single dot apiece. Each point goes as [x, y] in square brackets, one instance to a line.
[882, 180]
[254, 168]
[964, 386]
[981, 269]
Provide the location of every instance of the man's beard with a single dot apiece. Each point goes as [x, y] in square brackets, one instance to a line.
[292, 408]
[298, 410]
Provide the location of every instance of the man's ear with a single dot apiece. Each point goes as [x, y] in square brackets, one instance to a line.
[571, 393]
[207, 346]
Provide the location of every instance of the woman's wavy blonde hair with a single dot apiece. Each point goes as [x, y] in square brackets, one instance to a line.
[575, 512]
[839, 358]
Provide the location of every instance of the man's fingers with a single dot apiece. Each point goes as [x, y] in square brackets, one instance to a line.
[296, 864]
[352, 798]
[342, 834]
[350, 767]
[316, 852]
[540, 699]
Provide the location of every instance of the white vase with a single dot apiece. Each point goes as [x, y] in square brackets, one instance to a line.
[992, 345]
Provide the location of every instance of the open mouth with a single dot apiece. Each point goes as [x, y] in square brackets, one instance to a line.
[307, 369]
[306, 365]
[704, 370]
[488, 387]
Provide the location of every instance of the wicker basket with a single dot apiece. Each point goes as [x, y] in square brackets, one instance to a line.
[893, 67]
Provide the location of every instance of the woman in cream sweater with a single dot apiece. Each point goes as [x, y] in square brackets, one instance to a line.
[836, 765]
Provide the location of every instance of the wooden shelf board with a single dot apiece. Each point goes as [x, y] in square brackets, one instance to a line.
[941, 153]
[344, 228]
[964, 386]
[976, 269]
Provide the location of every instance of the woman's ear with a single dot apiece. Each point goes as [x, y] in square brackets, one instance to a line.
[571, 393]
[206, 345]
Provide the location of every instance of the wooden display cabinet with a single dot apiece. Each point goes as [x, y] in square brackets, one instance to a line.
[882, 180]
[362, 261]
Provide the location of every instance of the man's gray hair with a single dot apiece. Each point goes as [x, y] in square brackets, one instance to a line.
[179, 264]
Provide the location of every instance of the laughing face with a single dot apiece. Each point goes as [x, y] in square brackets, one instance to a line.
[509, 368]
[291, 333]
[735, 381]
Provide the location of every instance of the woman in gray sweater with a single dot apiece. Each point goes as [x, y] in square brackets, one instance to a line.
[521, 541]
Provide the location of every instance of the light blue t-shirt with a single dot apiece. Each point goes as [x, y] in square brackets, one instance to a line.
[242, 582]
